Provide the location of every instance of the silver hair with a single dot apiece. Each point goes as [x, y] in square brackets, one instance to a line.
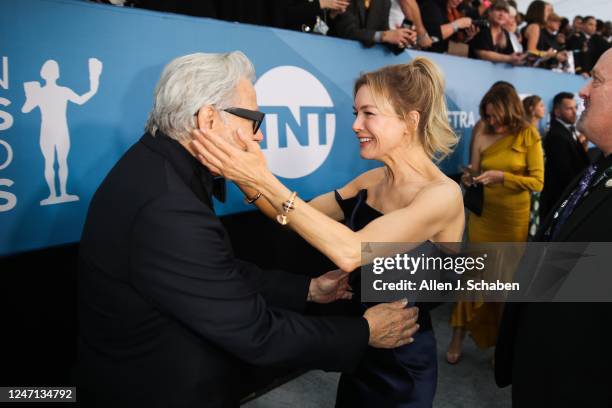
[190, 82]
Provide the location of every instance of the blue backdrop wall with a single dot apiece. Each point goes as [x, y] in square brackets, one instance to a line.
[304, 85]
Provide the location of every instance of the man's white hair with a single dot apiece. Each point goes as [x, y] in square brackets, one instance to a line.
[192, 81]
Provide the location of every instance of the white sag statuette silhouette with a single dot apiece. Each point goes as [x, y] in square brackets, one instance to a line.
[52, 100]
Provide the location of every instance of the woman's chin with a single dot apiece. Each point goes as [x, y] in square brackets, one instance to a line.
[367, 155]
[367, 150]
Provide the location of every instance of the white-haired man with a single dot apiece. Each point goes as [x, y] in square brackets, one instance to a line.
[166, 313]
[558, 354]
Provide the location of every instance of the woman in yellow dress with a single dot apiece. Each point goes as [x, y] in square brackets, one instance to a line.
[508, 155]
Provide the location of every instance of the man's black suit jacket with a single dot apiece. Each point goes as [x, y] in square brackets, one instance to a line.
[597, 45]
[166, 313]
[577, 43]
[565, 158]
[359, 23]
[558, 354]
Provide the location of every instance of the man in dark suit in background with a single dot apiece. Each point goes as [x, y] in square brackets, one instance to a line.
[565, 155]
[595, 45]
[368, 21]
[558, 354]
[167, 315]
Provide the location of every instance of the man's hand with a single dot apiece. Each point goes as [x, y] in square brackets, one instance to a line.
[402, 37]
[330, 287]
[391, 324]
[517, 58]
[424, 41]
[463, 22]
[584, 142]
[550, 53]
[470, 33]
[334, 5]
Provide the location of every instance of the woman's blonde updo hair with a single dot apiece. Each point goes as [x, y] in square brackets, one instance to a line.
[415, 86]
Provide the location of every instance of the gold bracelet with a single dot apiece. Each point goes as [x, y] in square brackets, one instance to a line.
[288, 206]
[248, 200]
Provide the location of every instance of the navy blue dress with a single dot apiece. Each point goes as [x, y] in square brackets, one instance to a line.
[404, 377]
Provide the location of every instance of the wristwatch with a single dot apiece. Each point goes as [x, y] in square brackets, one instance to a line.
[420, 37]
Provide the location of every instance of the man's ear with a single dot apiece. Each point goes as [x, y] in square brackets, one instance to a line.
[208, 118]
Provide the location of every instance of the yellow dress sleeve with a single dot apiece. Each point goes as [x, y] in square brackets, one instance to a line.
[534, 179]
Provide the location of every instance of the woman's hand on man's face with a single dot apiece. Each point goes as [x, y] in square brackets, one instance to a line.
[230, 154]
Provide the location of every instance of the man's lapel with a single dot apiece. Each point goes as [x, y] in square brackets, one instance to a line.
[585, 208]
[362, 12]
[546, 223]
[562, 131]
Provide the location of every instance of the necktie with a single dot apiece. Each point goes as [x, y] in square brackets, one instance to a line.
[572, 130]
[568, 206]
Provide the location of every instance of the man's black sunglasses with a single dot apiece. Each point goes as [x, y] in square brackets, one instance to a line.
[256, 116]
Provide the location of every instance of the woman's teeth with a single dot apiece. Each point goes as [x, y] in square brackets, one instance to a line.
[365, 139]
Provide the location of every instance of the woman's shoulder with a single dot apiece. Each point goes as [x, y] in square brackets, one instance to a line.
[533, 28]
[530, 135]
[479, 127]
[443, 188]
[479, 133]
[362, 182]
[439, 199]
[526, 138]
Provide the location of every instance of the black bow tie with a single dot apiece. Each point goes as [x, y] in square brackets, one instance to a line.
[219, 189]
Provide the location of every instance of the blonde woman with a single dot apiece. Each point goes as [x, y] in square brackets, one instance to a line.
[400, 120]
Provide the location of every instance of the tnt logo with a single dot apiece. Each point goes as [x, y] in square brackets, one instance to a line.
[300, 122]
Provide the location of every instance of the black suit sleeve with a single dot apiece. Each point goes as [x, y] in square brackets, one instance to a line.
[433, 17]
[298, 12]
[559, 159]
[564, 160]
[183, 263]
[347, 25]
[504, 349]
[278, 288]
[597, 46]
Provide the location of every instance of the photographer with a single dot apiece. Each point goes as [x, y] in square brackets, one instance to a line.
[493, 43]
[368, 21]
[437, 16]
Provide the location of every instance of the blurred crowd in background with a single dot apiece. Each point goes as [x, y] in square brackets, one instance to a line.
[495, 31]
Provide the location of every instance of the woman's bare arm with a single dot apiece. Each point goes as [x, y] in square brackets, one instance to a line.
[430, 211]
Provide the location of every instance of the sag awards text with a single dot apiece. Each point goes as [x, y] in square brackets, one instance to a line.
[8, 200]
